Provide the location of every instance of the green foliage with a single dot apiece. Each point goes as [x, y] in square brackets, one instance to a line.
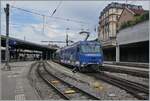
[137, 20]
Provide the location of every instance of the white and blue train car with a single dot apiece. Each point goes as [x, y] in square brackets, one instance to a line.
[84, 55]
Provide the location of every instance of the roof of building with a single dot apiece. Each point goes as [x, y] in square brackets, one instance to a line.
[120, 5]
[135, 11]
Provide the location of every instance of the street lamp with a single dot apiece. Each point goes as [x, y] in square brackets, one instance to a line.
[7, 66]
[67, 36]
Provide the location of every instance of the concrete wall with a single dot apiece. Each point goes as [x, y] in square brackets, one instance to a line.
[137, 33]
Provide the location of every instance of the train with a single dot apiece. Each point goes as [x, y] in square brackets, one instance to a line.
[82, 55]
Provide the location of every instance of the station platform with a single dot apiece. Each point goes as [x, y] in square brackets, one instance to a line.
[130, 64]
[111, 64]
[15, 84]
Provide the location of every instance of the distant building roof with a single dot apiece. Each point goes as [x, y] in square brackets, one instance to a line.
[121, 5]
[135, 11]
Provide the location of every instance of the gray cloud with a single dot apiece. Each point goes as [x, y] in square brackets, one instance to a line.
[86, 11]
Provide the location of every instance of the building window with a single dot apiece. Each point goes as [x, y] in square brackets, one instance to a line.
[135, 7]
[103, 35]
[107, 13]
[129, 6]
[114, 29]
[111, 17]
[114, 10]
[119, 5]
[114, 17]
[117, 11]
[110, 29]
[110, 11]
[140, 7]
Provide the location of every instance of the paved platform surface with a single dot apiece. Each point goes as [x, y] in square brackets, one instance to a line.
[80, 76]
[130, 64]
[15, 84]
[126, 67]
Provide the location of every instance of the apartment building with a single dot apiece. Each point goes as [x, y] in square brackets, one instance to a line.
[111, 18]
[108, 22]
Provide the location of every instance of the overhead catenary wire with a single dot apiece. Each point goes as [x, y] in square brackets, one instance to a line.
[59, 18]
[43, 24]
[56, 8]
[45, 16]
[46, 25]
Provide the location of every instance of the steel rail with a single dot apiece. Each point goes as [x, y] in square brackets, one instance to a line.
[90, 95]
[49, 83]
[70, 85]
[123, 84]
[132, 87]
[141, 87]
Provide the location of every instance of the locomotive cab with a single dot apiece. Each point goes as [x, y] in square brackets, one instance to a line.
[90, 56]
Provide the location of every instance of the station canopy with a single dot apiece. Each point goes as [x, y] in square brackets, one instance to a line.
[21, 44]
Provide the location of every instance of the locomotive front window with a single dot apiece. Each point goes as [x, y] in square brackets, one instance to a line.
[90, 48]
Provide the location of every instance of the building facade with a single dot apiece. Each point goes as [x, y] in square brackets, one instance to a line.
[108, 22]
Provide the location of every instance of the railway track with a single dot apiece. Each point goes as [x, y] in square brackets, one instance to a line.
[64, 89]
[133, 72]
[140, 91]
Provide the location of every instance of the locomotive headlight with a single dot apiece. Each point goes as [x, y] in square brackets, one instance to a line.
[77, 63]
[83, 64]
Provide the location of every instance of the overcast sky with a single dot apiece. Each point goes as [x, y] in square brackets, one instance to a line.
[30, 26]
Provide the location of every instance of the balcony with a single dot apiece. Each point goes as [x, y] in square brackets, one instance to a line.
[109, 43]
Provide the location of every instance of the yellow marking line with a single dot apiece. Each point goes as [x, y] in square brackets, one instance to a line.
[97, 86]
[55, 81]
[70, 91]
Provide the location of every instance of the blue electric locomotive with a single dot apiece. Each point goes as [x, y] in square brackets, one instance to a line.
[84, 55]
